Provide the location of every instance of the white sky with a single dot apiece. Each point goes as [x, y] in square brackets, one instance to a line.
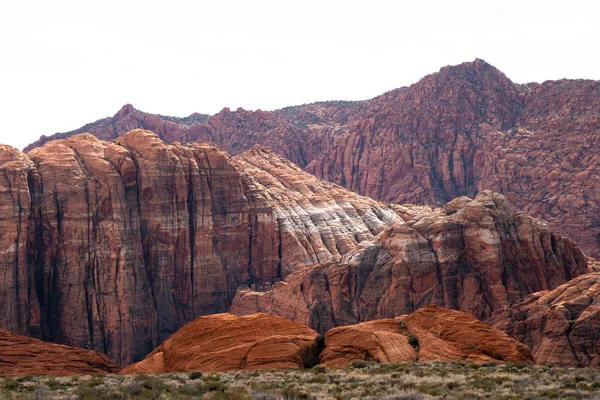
[67, 63]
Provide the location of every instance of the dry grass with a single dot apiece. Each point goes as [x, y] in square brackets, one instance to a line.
[454, 380]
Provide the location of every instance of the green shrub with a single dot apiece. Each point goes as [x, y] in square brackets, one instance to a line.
[97, 393]
[413, 341]
[235, 393]
[131, 389]
[195, 375]
[11, 384]
[452, 385]
[320, 369]
[360, 364]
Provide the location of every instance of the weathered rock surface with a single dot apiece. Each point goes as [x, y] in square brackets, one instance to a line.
[20, 355]
[122, 243]
[462, 130]
[561, 326]
[475, 256]
[226, 342]
[17, 301]
[428, 334]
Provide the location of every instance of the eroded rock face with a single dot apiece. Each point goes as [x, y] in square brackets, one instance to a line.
[226, 342]
[476, 256]
[124, 242]
[22, 355]
[468, 128]
[560, 326]
[429, 334]
[457, 132]
[17, 301]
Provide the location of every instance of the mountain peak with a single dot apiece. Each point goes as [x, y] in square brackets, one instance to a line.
[477, 66]
[125, 110]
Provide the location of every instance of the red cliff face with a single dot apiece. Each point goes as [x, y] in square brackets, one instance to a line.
[121, 243]
[18, 301]
[560, 325]
[476, 256]
[457, 132]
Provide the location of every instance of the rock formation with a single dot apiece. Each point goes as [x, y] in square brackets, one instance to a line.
[113, 246]
[226, 342]
[428, 334]
[17, 299]
[561, 325]
[457, 132]
[476, 256]
[469, 128]
[20, 355]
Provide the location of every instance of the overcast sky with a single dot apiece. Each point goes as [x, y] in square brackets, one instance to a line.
[67, 63]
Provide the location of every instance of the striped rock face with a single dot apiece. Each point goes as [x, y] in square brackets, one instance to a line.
[227, 342]
[113, 246]
[23, 355]
[473, 255]
[429, 334]
[560, 326]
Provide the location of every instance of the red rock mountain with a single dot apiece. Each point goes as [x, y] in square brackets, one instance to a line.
[429, 334]
[560, 325]
[476, 256]
[22, 355]
[457, 132]
[113, 246]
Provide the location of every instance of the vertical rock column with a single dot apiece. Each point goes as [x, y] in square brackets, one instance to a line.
[14, 230]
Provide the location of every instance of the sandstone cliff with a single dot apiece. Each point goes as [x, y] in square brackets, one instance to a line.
[457, 132]
[22, 355]
[113, 246]
[476, 256]
[429, 334]
[560, 325]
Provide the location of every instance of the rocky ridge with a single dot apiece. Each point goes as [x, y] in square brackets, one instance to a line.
[473, 255]
[464, 129]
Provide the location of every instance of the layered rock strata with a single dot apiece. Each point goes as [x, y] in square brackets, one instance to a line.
[428, 334]
[476, 256]
[20, 355]
[113, 246]
[457, 132]
[560, 326]
[226, 342]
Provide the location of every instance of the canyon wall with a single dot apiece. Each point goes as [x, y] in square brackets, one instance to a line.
[113, 246]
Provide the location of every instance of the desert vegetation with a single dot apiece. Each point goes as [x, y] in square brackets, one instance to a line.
[452, 380]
